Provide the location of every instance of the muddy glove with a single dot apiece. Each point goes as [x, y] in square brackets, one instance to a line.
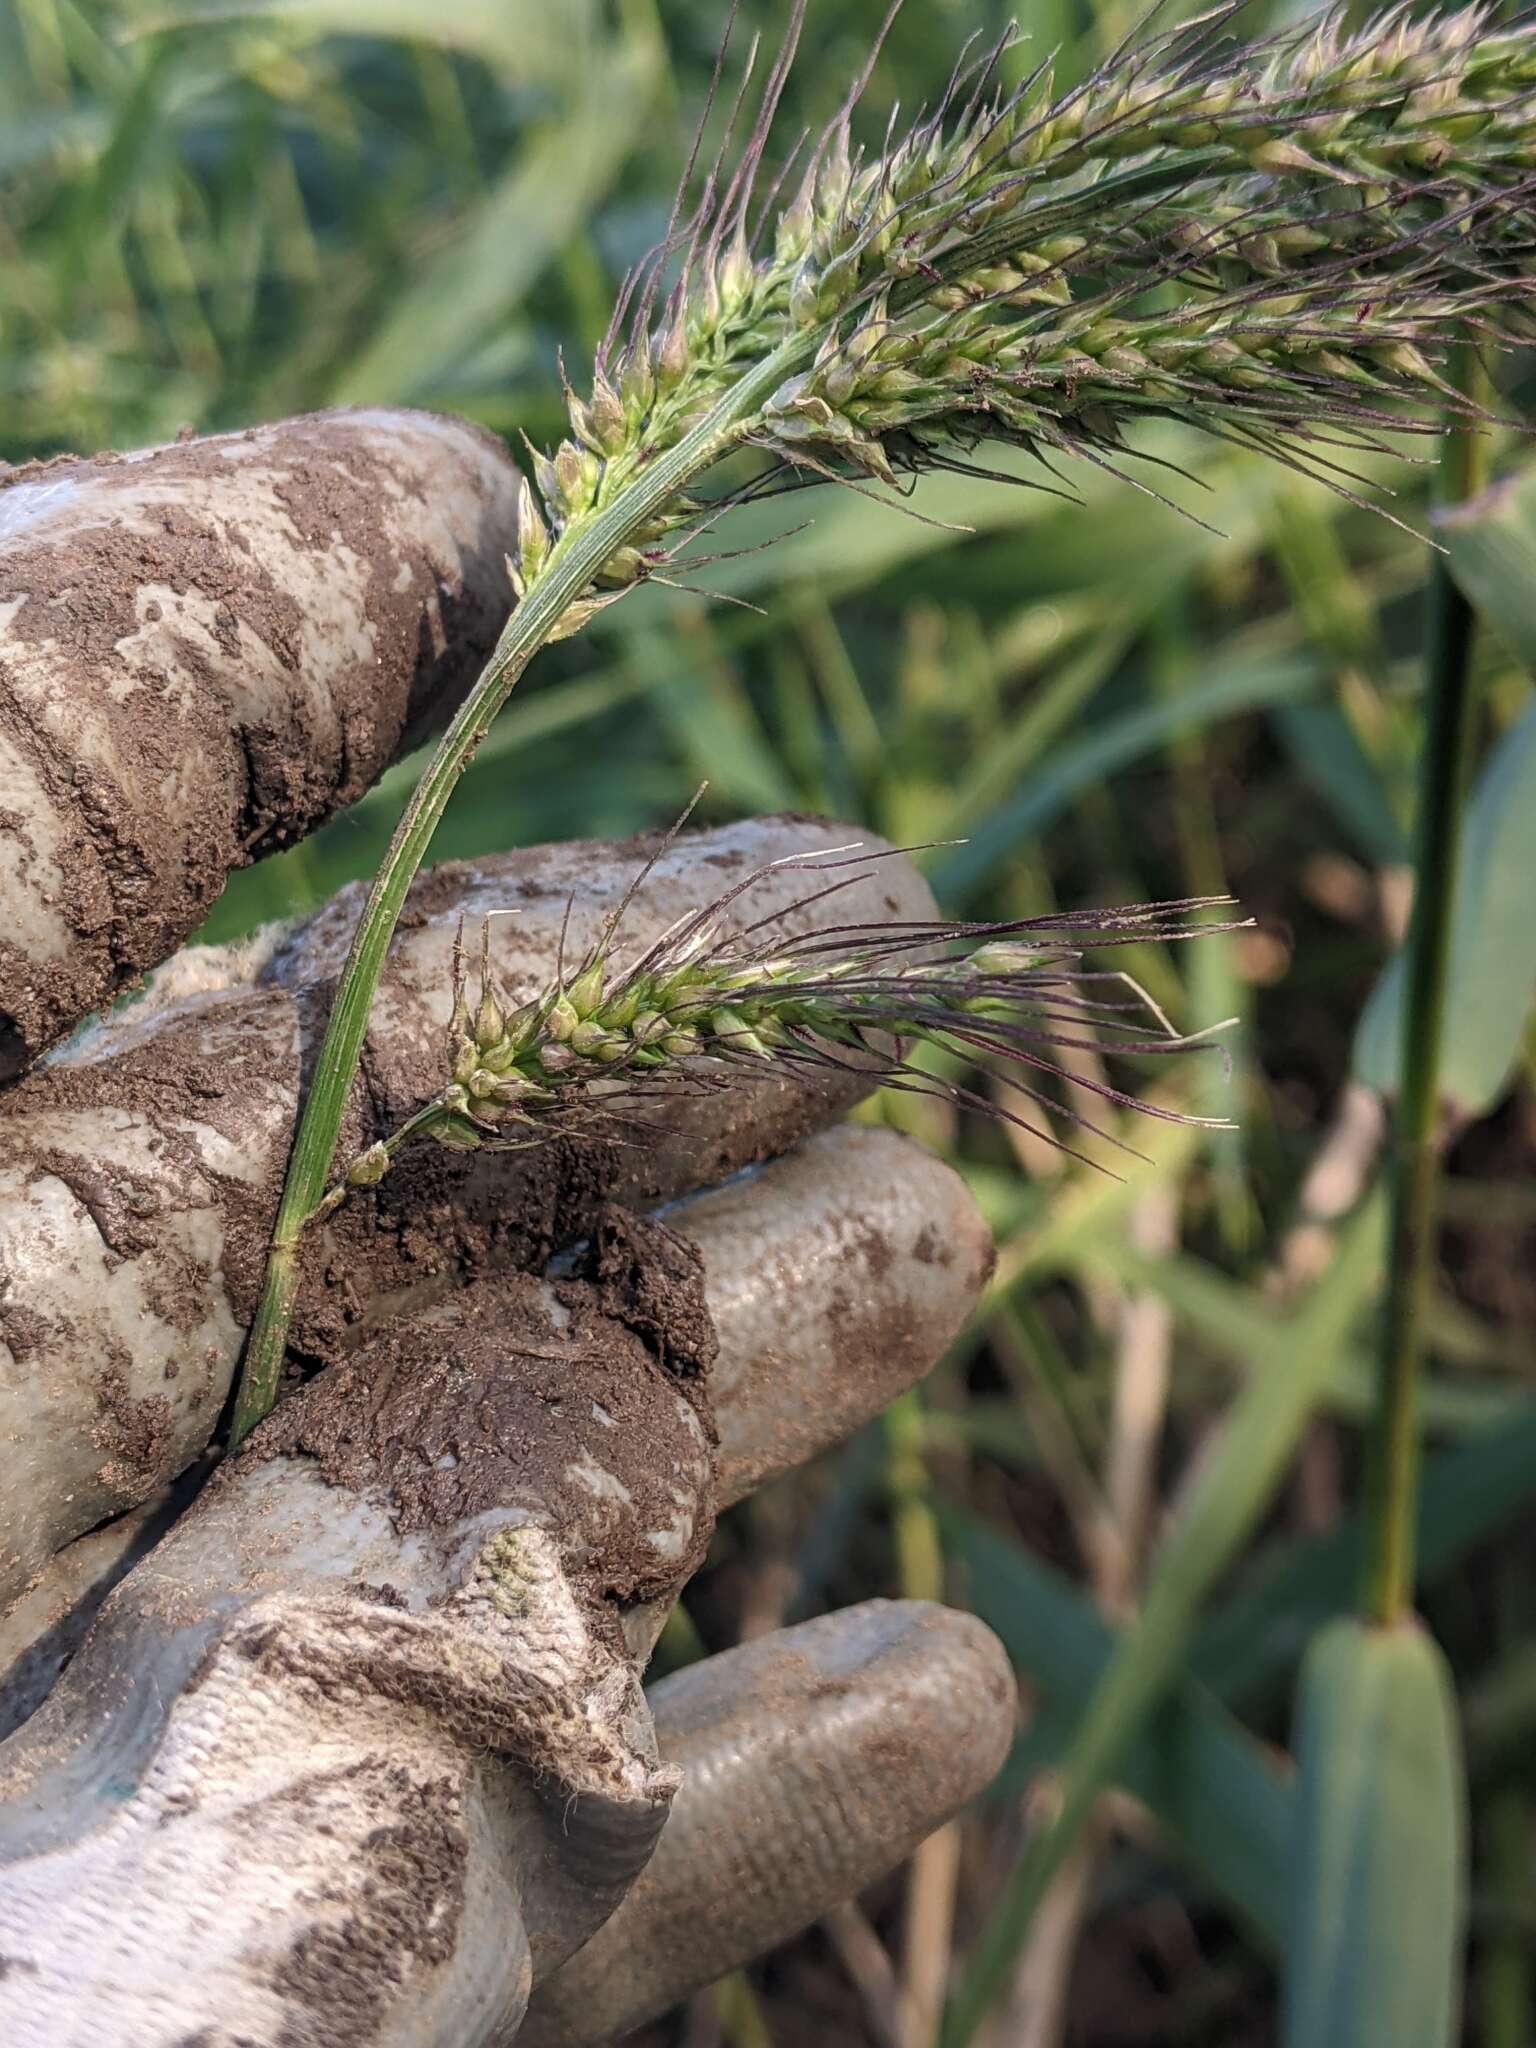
[207, 649]
[358, 1753]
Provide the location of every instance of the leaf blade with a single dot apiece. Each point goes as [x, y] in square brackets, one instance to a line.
[1493, 944]
[1197, 1769]
[1235, 1483]
[1377, 1895]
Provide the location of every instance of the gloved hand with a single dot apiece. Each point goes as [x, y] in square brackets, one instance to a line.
[358, 1753]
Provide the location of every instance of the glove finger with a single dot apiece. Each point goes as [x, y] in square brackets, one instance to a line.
[50, 1620]
[208, 649]
[140, 1171]
[813, 1761]
[836, 1278]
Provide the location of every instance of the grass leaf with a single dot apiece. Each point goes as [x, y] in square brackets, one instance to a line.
[1202, 1775]
[1493, 942]
[1234, 1486]
[1377, 1893]
[527, 217]
[1234, 689]
[1491, 540]
[1466, 1494]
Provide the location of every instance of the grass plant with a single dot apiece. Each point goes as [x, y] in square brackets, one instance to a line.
[895, 319]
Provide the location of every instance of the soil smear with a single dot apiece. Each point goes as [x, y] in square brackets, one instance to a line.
[588, 1404]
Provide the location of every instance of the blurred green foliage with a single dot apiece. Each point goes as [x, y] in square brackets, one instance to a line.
[213, 214]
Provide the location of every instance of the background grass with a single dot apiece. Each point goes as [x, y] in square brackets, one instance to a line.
[219, 214]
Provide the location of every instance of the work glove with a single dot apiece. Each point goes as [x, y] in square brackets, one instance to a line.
[353, 1749]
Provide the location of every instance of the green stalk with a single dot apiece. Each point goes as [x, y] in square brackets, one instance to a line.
[569, 571]
[1507, 1987]
[1392, 1456]
[914, 1526]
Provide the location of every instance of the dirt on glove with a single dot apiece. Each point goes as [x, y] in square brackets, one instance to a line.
[589, 1403]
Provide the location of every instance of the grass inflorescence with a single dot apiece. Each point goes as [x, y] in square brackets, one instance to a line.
[709, 998]
[1275, 242]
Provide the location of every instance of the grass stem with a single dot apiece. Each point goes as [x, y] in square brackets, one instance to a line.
[929, 1908]
[1449, 733]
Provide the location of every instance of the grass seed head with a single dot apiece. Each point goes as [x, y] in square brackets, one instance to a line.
[709, 1000]
[1276, 241]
